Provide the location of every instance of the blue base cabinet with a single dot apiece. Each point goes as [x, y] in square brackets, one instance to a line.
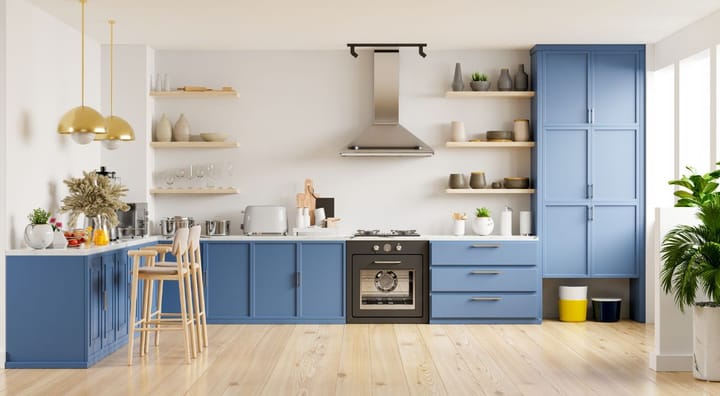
[485, 282]
[66, 311]
[589, 113]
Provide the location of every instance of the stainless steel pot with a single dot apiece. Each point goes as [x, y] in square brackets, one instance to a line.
[168, 225]
[217, 227]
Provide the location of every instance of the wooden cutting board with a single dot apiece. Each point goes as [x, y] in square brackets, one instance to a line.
[306, 199]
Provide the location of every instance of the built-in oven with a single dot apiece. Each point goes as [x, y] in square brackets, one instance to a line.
[387, 281]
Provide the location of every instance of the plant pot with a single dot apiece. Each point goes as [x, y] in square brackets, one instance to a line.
[483, 225]
[59, 241]
[480, 85]
[38, 236]
[706, 343]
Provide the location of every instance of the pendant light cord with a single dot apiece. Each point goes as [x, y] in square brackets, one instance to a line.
[82, 56]
[112, 24]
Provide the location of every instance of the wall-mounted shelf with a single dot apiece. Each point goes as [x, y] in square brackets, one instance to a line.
[193, 191]
[487, 144]
[194, 94]
[490, 190]
[489, 94]
[193, 145]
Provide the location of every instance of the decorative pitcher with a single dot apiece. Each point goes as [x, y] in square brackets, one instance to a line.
[38, 236]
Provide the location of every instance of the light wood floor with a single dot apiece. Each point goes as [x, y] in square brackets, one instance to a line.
[553, 358]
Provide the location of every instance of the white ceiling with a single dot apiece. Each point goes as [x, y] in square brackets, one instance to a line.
[330, 24]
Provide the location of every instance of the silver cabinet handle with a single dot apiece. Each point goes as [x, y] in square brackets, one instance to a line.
[591, 213]
[592, 191]
[297, 279]
[387, 262]
[484, 272]
[485, 298]
[105, 302]
[592, 115]
[589, 115]
[485, 246]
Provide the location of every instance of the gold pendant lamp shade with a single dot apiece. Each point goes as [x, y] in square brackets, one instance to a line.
[117, 129]
[82, 122]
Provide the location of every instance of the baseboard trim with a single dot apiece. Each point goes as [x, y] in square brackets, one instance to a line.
[670, 362]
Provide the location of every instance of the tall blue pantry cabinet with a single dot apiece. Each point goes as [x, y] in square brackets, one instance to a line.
[589, 115]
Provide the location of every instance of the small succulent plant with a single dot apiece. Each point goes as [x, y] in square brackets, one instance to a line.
[482, 212]
[479, 76]
[39, 216]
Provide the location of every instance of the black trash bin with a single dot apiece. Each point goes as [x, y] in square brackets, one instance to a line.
[606, 309]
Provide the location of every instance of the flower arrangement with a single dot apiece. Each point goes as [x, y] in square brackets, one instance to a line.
[56, 225]
[94, 195]
[39, 216]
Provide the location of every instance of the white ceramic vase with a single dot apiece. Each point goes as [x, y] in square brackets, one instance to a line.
[483, 225]
[181, 132]
[163, 131]
[59, 241]
[38, 236]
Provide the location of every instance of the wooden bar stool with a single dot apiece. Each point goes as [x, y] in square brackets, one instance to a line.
[150, 273]
[198, 290]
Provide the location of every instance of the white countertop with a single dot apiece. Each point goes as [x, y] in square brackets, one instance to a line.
[86, 251]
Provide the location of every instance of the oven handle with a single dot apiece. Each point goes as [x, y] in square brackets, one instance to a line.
[484, 272]
[387, 262]
[479, 245]
[485, 298]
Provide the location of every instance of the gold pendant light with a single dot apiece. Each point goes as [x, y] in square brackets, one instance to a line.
[117, 129]
[82, 122]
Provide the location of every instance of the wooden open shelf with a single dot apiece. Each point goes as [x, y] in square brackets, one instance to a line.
[195, 94]
[489, 144]
[193, 191]
[193, 145]
[489, 94]
[490, 190]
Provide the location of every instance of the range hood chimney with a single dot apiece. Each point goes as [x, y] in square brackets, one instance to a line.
[386, 137]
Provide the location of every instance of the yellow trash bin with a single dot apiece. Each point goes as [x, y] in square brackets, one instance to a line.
[573, 303]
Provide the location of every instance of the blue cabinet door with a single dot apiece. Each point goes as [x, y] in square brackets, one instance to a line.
[96, 304]
[108, 307]
[614, 241]
[566, 241]
[564, 83]
[323, 277]
[565, 153]
[275, 280]
[615, 88]
[615, 165]
[227, 275]
[122, 295]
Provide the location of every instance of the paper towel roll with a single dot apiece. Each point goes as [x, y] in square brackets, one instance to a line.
[525, 222]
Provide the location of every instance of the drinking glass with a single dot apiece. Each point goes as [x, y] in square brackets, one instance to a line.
[229, 171]
[210, 182]
[199, 173]
[169, 179]
[180, 174]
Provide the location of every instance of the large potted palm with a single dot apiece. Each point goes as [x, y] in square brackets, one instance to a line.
[691, 272]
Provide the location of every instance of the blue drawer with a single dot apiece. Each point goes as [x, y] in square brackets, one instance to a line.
[484, 305]
[484, 279]
[483, 253]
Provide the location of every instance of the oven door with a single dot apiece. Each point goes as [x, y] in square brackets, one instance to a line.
[387, 286]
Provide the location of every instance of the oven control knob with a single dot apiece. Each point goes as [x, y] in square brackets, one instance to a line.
[387, 247]
[398, 247]
[376, 248]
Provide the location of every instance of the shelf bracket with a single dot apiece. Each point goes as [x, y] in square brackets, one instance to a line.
[420, 47]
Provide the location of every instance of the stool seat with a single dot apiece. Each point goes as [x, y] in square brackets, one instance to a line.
[164, 270]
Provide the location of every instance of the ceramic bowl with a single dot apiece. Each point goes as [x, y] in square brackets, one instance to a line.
[214, 137]
[517, 182]
[498, 135]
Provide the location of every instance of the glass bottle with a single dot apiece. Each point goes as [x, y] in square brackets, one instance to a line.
[101, 230]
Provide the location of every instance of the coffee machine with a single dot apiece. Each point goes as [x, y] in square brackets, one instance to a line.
[134, 222]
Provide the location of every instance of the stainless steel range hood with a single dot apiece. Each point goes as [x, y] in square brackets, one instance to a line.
[386, 137]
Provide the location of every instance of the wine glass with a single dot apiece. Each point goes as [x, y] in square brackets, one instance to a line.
[210, 183]
[229, 170]
[180, 175]
[169, 179]
[199, 173]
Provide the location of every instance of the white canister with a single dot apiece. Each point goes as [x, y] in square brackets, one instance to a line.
[521, 130]
[506, 221]
[458, 227]
[319, 216]
[306, 217]
[457, 129]
[300, 219]
[525, 222]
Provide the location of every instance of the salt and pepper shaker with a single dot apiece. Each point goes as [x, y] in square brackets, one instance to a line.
[506, 221]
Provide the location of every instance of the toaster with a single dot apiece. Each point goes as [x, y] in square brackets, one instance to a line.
[265, 220]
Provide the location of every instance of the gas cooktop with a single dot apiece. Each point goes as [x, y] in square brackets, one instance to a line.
[385, 234]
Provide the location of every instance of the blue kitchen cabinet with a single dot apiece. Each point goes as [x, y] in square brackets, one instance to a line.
[485, 281]
[275, 280]
[226, 271]
[322, 280]
[589, 169]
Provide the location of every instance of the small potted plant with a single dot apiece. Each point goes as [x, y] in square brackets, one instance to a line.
[482, 223]
[38, 234]
[479, 82]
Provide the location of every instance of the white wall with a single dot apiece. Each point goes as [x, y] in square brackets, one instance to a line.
[688, 41]
[297, 110]
[39, 81]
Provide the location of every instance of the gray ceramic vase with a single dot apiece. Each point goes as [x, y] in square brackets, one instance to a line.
[457, 84]
[505, 81]
[521, 79]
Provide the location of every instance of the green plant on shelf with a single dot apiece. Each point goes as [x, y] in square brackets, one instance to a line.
[479, 76]
[482, 212]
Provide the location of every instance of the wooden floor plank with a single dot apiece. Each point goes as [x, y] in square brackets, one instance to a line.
[553, 358]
